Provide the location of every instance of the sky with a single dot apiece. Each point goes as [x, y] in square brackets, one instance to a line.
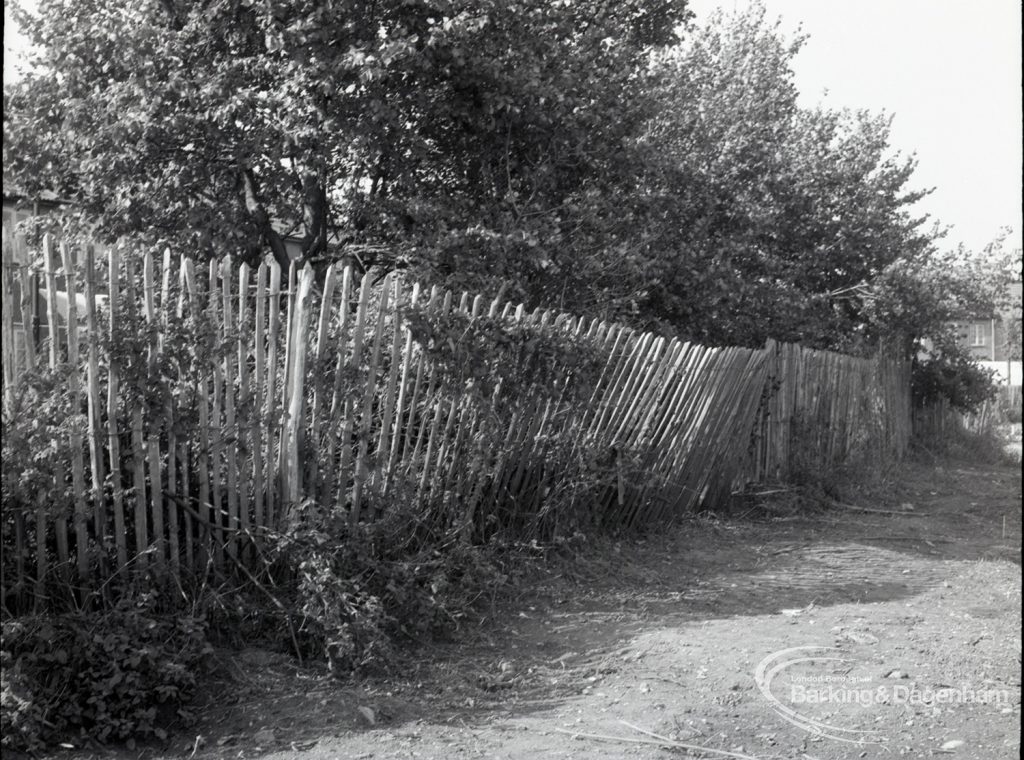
[949, 71]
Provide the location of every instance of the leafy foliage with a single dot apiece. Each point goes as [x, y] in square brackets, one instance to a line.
[953, 376]
[602, 158]
[36, 439]
[919, 297]
[455, 126]
[358, 591]
[774, 217]
[496, 360]
[123, 674]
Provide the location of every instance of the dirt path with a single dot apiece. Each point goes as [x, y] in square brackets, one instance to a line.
[666, 636]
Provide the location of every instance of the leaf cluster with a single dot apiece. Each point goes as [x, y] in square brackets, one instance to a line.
[952, 376]
[356, 592]
[499, 360]
[123, 674]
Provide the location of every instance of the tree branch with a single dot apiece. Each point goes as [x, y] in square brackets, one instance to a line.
[258, 212]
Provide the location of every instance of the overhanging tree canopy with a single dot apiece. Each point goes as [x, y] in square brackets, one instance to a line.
[433, 123]
[602, 157]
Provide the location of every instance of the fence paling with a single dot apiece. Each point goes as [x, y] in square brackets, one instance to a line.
[400, 404]
[417, 408]
[660, 393]
[139, 484]
[630, 502]
[97, 469]
[631, 349]
[684, 469]
[41, 517]
[720, 402]
[738, 405]
[74, 386]
[348, 409]
[432, 436]
[203, 453]
[165, 296]
[230, 430]
[606, 338]
[631, 431]
[28, 315]
[259, 389]
[441, 473]
[215, 424]
[173, 540]
[113, 440]
[190, 552]
[315, 479]
[679, 377]
[286, 375]
[677, 441]
[59, 522]
[270, 411]
[688, 398]
[637, 395]
[383, 469]
[156, 502]
[295, 389]
[7, 337]
[332, 488]
[244, 424]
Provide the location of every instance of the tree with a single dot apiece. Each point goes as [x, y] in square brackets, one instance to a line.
[919, 299]
[601, 157]
[440, 134]
[776, 218]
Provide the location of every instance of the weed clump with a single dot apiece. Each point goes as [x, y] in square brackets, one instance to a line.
[127, 673]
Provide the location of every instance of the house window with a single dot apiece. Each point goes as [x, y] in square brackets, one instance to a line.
[979, 334]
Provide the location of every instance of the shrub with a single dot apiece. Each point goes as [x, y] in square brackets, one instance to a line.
[124, 674]
[954, 376]
[356, 592]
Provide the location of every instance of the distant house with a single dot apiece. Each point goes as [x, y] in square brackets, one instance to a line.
[987, 338]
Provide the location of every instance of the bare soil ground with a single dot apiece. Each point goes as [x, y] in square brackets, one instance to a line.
[664, 636]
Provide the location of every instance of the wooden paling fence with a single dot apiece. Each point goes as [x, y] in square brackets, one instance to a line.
[826, 409]
[935, 421]
[208, 403]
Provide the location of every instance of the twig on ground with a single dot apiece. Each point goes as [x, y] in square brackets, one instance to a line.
[690, 747]
[854, 508]
[659, 741]
[772, 492]
[923, 539]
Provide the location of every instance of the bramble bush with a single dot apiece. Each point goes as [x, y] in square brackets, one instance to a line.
[119, 675]
[357, 592]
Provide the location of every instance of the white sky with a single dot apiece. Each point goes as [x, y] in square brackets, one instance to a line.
[950, 72]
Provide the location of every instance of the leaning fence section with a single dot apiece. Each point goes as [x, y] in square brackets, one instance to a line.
[196, 406]
[823, 410]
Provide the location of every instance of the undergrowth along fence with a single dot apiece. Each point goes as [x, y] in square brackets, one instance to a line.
[938, 420]
[193, 408]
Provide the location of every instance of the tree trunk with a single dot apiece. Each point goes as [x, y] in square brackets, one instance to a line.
[258, 213]
[314, 216]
